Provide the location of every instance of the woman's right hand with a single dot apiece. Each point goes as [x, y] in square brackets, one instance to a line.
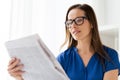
[15, 68]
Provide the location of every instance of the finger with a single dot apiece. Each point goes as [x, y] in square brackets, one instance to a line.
[14, 64]
[17, 73]
[12, 60]
[17, 68]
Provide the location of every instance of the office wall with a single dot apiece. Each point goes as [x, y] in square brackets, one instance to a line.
[112, 12]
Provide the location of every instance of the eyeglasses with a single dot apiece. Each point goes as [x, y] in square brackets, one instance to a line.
[78, 21]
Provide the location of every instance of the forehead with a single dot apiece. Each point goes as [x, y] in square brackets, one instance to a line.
[75, 13]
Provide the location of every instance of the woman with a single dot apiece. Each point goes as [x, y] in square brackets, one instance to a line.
[86, 57]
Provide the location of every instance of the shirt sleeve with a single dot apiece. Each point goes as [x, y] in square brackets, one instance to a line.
[114, 62]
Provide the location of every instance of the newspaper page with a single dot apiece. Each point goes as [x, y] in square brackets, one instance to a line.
[39, 62]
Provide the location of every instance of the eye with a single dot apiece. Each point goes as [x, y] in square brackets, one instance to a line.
[68, 22]
[79, 20]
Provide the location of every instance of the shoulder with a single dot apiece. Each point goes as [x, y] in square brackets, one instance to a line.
[114, 63]
[65, 53]
[110, 51]
[64, 57]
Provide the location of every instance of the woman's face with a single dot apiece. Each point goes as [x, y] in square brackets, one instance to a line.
[80, 27]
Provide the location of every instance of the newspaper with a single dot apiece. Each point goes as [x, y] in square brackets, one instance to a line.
[39, 62]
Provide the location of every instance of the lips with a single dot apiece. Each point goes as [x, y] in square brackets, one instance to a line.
[76, 32]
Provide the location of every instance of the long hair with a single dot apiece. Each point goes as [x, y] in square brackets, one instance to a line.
[95, 40]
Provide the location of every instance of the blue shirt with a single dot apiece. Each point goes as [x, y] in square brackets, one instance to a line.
[75, 69]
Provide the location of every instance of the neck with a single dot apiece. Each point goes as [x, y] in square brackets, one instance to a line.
[84, 46]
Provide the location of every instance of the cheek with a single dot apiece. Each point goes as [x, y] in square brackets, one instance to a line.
[87, 27]
[87, 30]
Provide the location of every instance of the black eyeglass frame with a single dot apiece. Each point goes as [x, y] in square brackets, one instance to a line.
[74, 20]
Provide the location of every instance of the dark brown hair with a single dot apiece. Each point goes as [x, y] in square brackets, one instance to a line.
[95, 40]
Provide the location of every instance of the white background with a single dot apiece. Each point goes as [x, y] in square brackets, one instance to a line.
[19, 18]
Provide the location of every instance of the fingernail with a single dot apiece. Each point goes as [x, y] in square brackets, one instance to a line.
[13, 58]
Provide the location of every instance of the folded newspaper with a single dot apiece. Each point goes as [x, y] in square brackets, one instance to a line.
[39, 62]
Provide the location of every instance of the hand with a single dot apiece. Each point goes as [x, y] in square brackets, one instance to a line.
[15, 68]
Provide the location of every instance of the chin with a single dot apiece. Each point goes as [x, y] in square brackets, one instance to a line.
[76, 38]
